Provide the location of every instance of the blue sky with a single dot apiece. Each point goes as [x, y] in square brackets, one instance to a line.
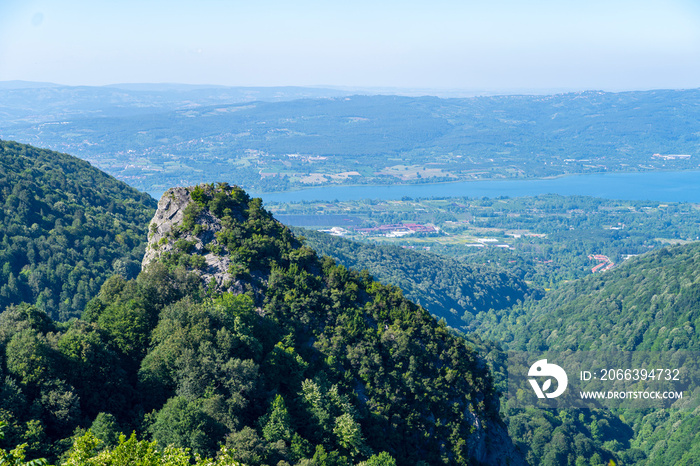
[441, 44]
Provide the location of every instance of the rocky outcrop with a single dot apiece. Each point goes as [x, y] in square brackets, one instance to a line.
[170, 212]
[233, 244]
[166, 233]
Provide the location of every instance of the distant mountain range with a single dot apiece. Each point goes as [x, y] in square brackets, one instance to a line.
[351, 90]
[17, 84]
[161, 135]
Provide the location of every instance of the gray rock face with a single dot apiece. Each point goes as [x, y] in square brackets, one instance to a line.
[170, 212]
[495, 446]
[164, 232]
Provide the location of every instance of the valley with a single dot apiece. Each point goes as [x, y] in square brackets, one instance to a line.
[263, 345]
[545, 240]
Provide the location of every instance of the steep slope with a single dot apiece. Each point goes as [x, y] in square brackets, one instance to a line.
[650, 303]
[236, 334]
[409, 387]
[65, 227]
[447, 288]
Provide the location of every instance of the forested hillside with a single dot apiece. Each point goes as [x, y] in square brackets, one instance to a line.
[309, 363]
[447, 288]
[650, 303]
[65, 227]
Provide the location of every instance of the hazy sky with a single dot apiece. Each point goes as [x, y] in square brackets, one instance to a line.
[467, 44]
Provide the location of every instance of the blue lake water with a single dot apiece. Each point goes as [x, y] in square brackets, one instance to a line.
[657, 186]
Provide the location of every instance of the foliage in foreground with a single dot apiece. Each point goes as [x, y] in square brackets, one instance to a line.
[88, 450]
[315, 364]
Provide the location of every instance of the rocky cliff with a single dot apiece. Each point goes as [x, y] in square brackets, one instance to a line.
[168, 238]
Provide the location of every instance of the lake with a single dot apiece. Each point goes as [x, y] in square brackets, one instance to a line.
[657, 186]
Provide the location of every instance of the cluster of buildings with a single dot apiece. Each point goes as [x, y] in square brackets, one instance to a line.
[672, 156]
[604, 263]
[397, 229]
[390, 231]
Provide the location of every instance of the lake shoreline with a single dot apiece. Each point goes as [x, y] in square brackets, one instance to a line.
[657, 185]
[534, 178]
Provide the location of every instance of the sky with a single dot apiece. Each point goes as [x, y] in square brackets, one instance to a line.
[439, 44]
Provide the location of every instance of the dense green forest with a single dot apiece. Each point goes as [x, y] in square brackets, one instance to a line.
[314, 364]
[648, 304]
[447, 288]
[65, 228]
[155, 140]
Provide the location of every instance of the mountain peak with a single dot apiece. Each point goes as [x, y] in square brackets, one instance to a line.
[218, 232]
